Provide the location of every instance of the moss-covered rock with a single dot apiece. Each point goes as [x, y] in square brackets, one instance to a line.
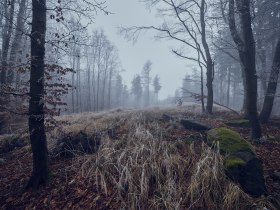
[233, 167]
[233, 161]
[229, 141]
[239, 123]
[241, 163]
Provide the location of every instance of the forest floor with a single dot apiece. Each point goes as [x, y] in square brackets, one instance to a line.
[141, 148]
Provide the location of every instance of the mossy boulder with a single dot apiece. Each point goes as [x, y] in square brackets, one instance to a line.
[233, 167]
[233, 161]
[239, 123]
[241, 162]
[229, 141]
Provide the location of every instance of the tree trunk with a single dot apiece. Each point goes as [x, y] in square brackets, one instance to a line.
[16, 45]
[263, 78]
[248, 60]
[77, 83]
[210, 72]
[40, 173]
[73, 85]
[104, 85]
[234, 95]
[261, 49]
[2, 10]
[93, 80]
[244, 106]
[201, 88]
[98, 75]
[97, 88]
[228, 86]
[148, 89]
[79, 94]
[272, 86]
[221, 89]
[7, 33]
[88, 81]
[109, 88]
[247, 53]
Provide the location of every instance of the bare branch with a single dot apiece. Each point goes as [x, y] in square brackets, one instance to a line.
[232, 26]
[189, 58]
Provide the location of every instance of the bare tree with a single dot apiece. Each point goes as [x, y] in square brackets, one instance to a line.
[187, 25]
[40, 173]
[272, 86]
[146, 78]
[246, 49]
[114, 65]
[136, 89]
[16, 44]
[6, 37]
[157, 87]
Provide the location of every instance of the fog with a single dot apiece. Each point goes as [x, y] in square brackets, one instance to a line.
[133, 55]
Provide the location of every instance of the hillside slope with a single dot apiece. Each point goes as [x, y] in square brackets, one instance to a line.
[139, 159]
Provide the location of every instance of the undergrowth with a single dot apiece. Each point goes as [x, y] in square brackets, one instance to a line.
[150, 172]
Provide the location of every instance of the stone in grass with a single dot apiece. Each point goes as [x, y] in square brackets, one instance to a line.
[239, 123]
[75, 144]
[194, 125]
[229, 141]
[10, 142]
[248, 173]
[241, 163]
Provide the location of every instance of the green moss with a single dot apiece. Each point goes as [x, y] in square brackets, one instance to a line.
[229, 141]
[233, 161]
[239, 123]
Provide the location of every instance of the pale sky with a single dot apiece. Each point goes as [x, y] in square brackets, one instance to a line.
[170, 68]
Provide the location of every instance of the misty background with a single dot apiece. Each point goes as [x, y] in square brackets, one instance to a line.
[133, 55]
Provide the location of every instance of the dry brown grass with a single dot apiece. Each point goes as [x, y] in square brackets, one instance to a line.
[150, 172]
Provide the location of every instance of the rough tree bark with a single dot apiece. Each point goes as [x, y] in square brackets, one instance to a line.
[272, 86]
[88, 81]
[228, 85]
[209, 63]
[110, 87]
[16, 44]
[78, 82]
[7, 34]
[261, 49]
[40, 173]
[93, 84]
[98, 75]
[247, 52]
[202, 89]
[244, 105]
[105, 80]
